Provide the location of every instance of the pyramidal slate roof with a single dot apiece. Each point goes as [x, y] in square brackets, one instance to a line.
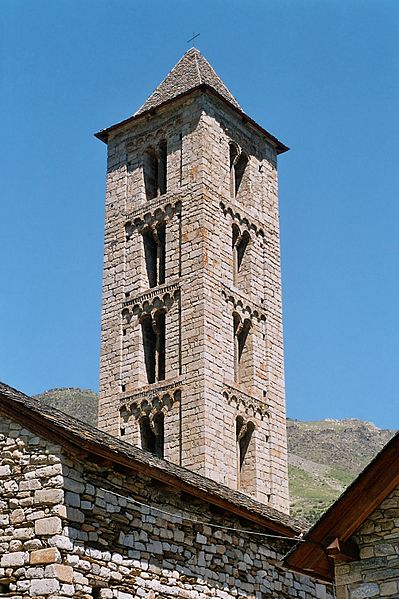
[191, 71]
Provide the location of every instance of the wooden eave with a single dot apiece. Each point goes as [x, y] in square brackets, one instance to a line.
[85, 447]
[103, 135]
[347, 514]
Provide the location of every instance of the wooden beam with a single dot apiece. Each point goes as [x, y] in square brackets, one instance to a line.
[343, 551]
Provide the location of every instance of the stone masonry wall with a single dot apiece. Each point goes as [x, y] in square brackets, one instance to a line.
[72, 528]
[204, 390]
[376, 574]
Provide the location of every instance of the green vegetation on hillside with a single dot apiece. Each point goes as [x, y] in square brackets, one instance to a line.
[80, 403]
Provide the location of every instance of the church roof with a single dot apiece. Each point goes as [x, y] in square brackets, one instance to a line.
[76, 436]
[331, 535]
[191, 71]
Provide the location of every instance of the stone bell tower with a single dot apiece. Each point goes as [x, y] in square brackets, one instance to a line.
[192, 346]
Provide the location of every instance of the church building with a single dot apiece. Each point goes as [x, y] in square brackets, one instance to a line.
[182, 491]
[192, 347]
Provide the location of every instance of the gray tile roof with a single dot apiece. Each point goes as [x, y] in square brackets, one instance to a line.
[191, 71]
[72, 433]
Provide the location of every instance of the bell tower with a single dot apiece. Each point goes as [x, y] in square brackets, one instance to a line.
[192, 348]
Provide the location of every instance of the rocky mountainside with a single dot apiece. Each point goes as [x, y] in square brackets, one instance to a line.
[80, 403]
[324, 456]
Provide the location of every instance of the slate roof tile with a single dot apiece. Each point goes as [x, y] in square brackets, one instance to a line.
[72, 432]
[191, 71]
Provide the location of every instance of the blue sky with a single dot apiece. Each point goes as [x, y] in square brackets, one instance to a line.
[323, 76]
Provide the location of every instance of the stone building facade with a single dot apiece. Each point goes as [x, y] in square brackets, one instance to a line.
[192, 349]
[87, 515]
[376, 572]
[355, 544]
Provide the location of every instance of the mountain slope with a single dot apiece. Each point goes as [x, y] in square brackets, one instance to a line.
[80, 403]
[324, 457]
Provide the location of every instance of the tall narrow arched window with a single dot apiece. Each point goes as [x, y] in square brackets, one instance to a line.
[149, 337]
[154, 240]
[147, 435]
[160, 330]
[240, 243]
[151, 256]
[241, 331]
[161, 252]
[238, 165]
[155, 170]
[152, 434]
[239, 170]
[241, 247]
[245, 454]
[150, 166]
[162, 167]
[154, 345]
[158, 426]
[234, 153]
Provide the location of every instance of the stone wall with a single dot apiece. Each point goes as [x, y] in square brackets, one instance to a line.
[376, 574]
[208, 301]
[71, 527]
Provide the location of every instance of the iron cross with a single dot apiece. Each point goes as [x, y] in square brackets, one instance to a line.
[193, 38]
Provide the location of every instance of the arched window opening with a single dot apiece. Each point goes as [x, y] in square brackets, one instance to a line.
[160, 330]
[240, 243]
[246, 455]
[151, 256]
[241, 247]
[162, 165]
[149, 345]
[154, 344]
[155, 254]
[152, 434]
[161, 249]
[147, 435]
[236, 234]
[155, 170]
[158, 425]
[239, 168]
[238, 165]
[234, 153]
[244, 435]
[241, 332]
[150, 165]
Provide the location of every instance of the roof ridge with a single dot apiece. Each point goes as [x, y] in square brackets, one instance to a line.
[198, 69]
